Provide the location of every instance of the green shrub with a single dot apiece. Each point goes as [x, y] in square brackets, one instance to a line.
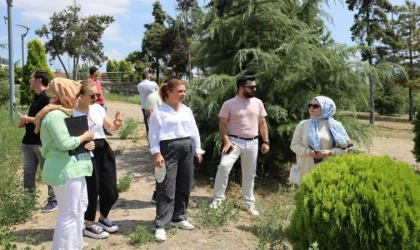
[211, 218]
[117, 97]
[358, 202]
[4, 86]
[124, 182]
[141, 236]
[129, 128]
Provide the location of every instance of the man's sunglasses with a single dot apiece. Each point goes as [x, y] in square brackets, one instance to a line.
[251, 87]
[314, 106]
[92, 96]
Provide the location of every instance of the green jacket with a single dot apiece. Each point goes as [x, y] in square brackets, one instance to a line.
[56, 143]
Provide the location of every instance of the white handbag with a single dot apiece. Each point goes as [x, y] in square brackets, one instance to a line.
[294, 174]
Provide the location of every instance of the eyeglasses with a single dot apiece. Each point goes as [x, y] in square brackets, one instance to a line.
[314, 106]
[251, 87]
[92, 96]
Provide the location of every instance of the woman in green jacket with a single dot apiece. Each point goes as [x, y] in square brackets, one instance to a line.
[65, 174]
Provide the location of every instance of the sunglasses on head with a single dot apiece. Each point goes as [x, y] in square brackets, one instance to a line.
[92, 96]
[314, 106]
[251, 87]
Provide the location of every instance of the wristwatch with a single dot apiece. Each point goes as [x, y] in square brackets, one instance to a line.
[266, 142]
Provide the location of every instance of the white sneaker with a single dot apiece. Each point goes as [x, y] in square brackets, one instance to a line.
[183, 225]
[216, 204]
[160, 234]
[252, 211]
[96, 232]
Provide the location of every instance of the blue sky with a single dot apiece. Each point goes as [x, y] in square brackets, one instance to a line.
[126, 33]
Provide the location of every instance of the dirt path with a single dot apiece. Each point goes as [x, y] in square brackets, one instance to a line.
[133, 207]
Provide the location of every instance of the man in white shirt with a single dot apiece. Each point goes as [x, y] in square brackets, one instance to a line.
[145, 88]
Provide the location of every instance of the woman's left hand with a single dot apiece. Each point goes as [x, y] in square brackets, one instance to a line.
[324, 153]
[119, 118]
[199, 158]
[90, 145]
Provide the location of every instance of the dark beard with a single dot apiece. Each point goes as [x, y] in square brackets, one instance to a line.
[249, 95]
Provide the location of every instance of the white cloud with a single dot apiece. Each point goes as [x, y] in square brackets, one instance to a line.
[114, 54]
[148, 1]
[3, 38]
[113, 33]
[39, 10]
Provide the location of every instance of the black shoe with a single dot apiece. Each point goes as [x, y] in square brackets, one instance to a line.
[108, 133]
[153, 200]
[108, 225]
[95, 232]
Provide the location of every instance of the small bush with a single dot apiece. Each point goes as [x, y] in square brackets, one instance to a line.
[210, 218]
[141, 236]
[358, 202]
[129, 128]
[124, 182]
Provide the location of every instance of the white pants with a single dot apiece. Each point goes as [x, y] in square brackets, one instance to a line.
[72, 203]
[248, 150]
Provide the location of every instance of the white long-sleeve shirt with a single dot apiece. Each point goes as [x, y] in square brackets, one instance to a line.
[168, 124]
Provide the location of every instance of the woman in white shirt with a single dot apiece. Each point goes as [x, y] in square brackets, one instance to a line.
[174, 141]
[103, 182]
[321, 136]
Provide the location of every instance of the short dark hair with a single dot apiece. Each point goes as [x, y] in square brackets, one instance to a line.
[92, 70]
[243, 79]
[145, 75]
[44, 75]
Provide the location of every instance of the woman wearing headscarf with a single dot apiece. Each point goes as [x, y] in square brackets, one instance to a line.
[65, 174]
[321, 136]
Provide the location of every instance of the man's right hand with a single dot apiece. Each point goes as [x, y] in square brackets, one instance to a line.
[226, 147]
[159, 161]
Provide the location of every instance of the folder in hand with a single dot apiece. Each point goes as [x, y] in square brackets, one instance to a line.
[77, 126]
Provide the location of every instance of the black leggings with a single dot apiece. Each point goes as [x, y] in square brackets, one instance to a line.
[103, 181]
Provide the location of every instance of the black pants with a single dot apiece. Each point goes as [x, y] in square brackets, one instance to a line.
[145, 121]
[103, 181]
[173, 194]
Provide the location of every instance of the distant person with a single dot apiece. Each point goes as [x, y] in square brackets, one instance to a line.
[103, 182]
[174, 143]
[145, 88]
[31, 142]
[65, 174]
[241, 118]
[319, 137]
[94, 74]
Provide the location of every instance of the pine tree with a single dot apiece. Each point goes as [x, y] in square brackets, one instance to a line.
[371, 24]
[407, 26]
[36, 59]
[154, 37]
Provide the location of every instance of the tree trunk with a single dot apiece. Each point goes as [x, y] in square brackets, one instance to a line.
[372, 102]
[157, 71]
[64, 67]
[411, 102]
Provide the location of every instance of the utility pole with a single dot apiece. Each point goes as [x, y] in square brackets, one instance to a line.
[11, 66]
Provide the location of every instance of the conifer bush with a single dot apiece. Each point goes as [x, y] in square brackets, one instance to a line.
[416, 130]
[358, 202]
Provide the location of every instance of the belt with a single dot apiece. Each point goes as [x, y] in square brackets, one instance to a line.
[246, 139]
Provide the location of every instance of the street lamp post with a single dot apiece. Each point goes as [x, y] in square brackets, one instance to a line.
[11, 66]
[23, 42]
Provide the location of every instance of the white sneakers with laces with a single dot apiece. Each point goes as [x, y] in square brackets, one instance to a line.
[252, 211]
[160, 234]
[183, 225]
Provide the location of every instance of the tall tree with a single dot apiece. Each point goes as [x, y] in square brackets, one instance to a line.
[407, 26]
[139, 59]
[36, 59]
[186, 18]
[370, 26]
[153, 39]
[80, 37]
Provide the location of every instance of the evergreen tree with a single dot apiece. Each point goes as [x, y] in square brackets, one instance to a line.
[407, 26]
[36, 59]
[371, 25]
[112, 66]
[153, 39]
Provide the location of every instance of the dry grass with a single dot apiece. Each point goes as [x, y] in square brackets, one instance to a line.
[390, 126]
